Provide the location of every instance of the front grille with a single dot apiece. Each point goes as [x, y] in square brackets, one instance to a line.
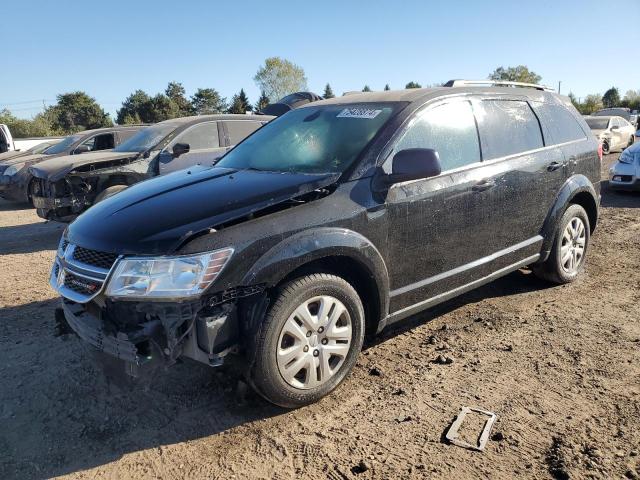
[81, 285]
[94, 258]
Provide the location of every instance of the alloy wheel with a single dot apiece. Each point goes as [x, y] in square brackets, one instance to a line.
[573, 245]
[314, 342]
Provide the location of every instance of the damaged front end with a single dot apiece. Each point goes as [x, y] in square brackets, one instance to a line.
[62, 195]
[64, 199]
[142, 334]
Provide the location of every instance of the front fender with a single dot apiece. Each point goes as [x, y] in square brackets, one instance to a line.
[310, 245]
[575, 185]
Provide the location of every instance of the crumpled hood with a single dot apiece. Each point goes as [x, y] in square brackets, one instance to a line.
[156, 216]
[597, 133]
[56, 168]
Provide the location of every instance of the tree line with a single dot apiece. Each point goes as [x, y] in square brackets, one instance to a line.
[276, 78]
[611, 98]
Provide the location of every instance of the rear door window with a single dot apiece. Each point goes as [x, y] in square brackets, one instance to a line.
[507, 127]
[238, 130]
[201, 136]
[450, 129]
[560, 125]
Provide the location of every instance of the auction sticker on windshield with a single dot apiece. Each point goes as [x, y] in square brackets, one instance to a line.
[358, 113]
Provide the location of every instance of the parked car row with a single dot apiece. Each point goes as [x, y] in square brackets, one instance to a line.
[326, 224]
[85, 168]
[65, 187]
[16, 181]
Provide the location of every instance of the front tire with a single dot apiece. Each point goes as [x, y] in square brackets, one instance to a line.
[606, 150]
[109, 192]
[569, 250]
[309, 341]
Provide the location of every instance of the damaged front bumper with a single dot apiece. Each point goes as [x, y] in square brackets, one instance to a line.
[141, 333]
[61, 208]
[160, 339]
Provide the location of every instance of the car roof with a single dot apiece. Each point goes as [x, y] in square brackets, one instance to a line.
[110, 129]
[606, 117]
[421, 95]
[221, 116]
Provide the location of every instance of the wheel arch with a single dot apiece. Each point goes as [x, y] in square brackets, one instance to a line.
[336, 251]
[576, 190]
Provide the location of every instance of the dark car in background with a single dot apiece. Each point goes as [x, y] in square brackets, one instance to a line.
[39, 148]
[16, 182]
[290, 102]
[66, 186]
[334, 220]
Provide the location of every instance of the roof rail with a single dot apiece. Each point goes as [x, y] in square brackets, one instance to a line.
[496, 83]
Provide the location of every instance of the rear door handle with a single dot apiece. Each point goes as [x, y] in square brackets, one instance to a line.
[483, 185]
[553, 166]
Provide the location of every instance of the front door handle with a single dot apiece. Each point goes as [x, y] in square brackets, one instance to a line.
[483, 185]
[553, 166]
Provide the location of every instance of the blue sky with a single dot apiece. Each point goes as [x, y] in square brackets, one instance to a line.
[109, 49]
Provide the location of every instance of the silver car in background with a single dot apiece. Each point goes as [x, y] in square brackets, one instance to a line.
[625, 173]
[615, 133]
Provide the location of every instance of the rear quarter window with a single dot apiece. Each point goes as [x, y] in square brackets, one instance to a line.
[507, 127]
[240, 129]
[560, 125]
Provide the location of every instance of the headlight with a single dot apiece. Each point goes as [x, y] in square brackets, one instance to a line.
[13, 169]
[167, 277]
[629, 157]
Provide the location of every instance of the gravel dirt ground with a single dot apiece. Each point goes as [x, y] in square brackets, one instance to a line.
[559, 366]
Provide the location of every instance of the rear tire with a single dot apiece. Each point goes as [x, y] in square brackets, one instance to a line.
[569, 251]
[109, 192]
[309, 341]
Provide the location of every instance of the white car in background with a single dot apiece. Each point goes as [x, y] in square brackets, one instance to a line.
[625, 173]
[615, 133]
[10, 144]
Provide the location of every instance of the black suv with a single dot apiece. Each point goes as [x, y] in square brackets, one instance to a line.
[67, 186]
[329, 223]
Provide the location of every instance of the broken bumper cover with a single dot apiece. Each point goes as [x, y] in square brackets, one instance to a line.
[90, 329]
[52, 208]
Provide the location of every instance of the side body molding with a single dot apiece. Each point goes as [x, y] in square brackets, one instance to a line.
[575, 185]
[315, 244]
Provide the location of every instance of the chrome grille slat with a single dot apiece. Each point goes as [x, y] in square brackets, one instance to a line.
[80, 274]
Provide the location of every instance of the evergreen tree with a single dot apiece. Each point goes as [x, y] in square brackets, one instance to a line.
[611, 98]
[413, 85]
[366, 88]
[328, 92]
[240, 103]
[387, 88]
[176, 93]
[207, 101]
[263, 101]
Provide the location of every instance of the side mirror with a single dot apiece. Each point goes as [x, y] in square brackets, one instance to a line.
[180, 149]
[413, 164]
[81, 149]
[615, 127]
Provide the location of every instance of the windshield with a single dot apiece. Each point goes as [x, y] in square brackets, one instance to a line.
[318, 139]
[597, 123]
[146, 138]
[64, 145]
[40, 148]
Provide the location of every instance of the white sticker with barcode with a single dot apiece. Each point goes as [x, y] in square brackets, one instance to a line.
[358, 113]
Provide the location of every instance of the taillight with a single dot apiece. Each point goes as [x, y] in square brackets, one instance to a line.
[600, 150]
